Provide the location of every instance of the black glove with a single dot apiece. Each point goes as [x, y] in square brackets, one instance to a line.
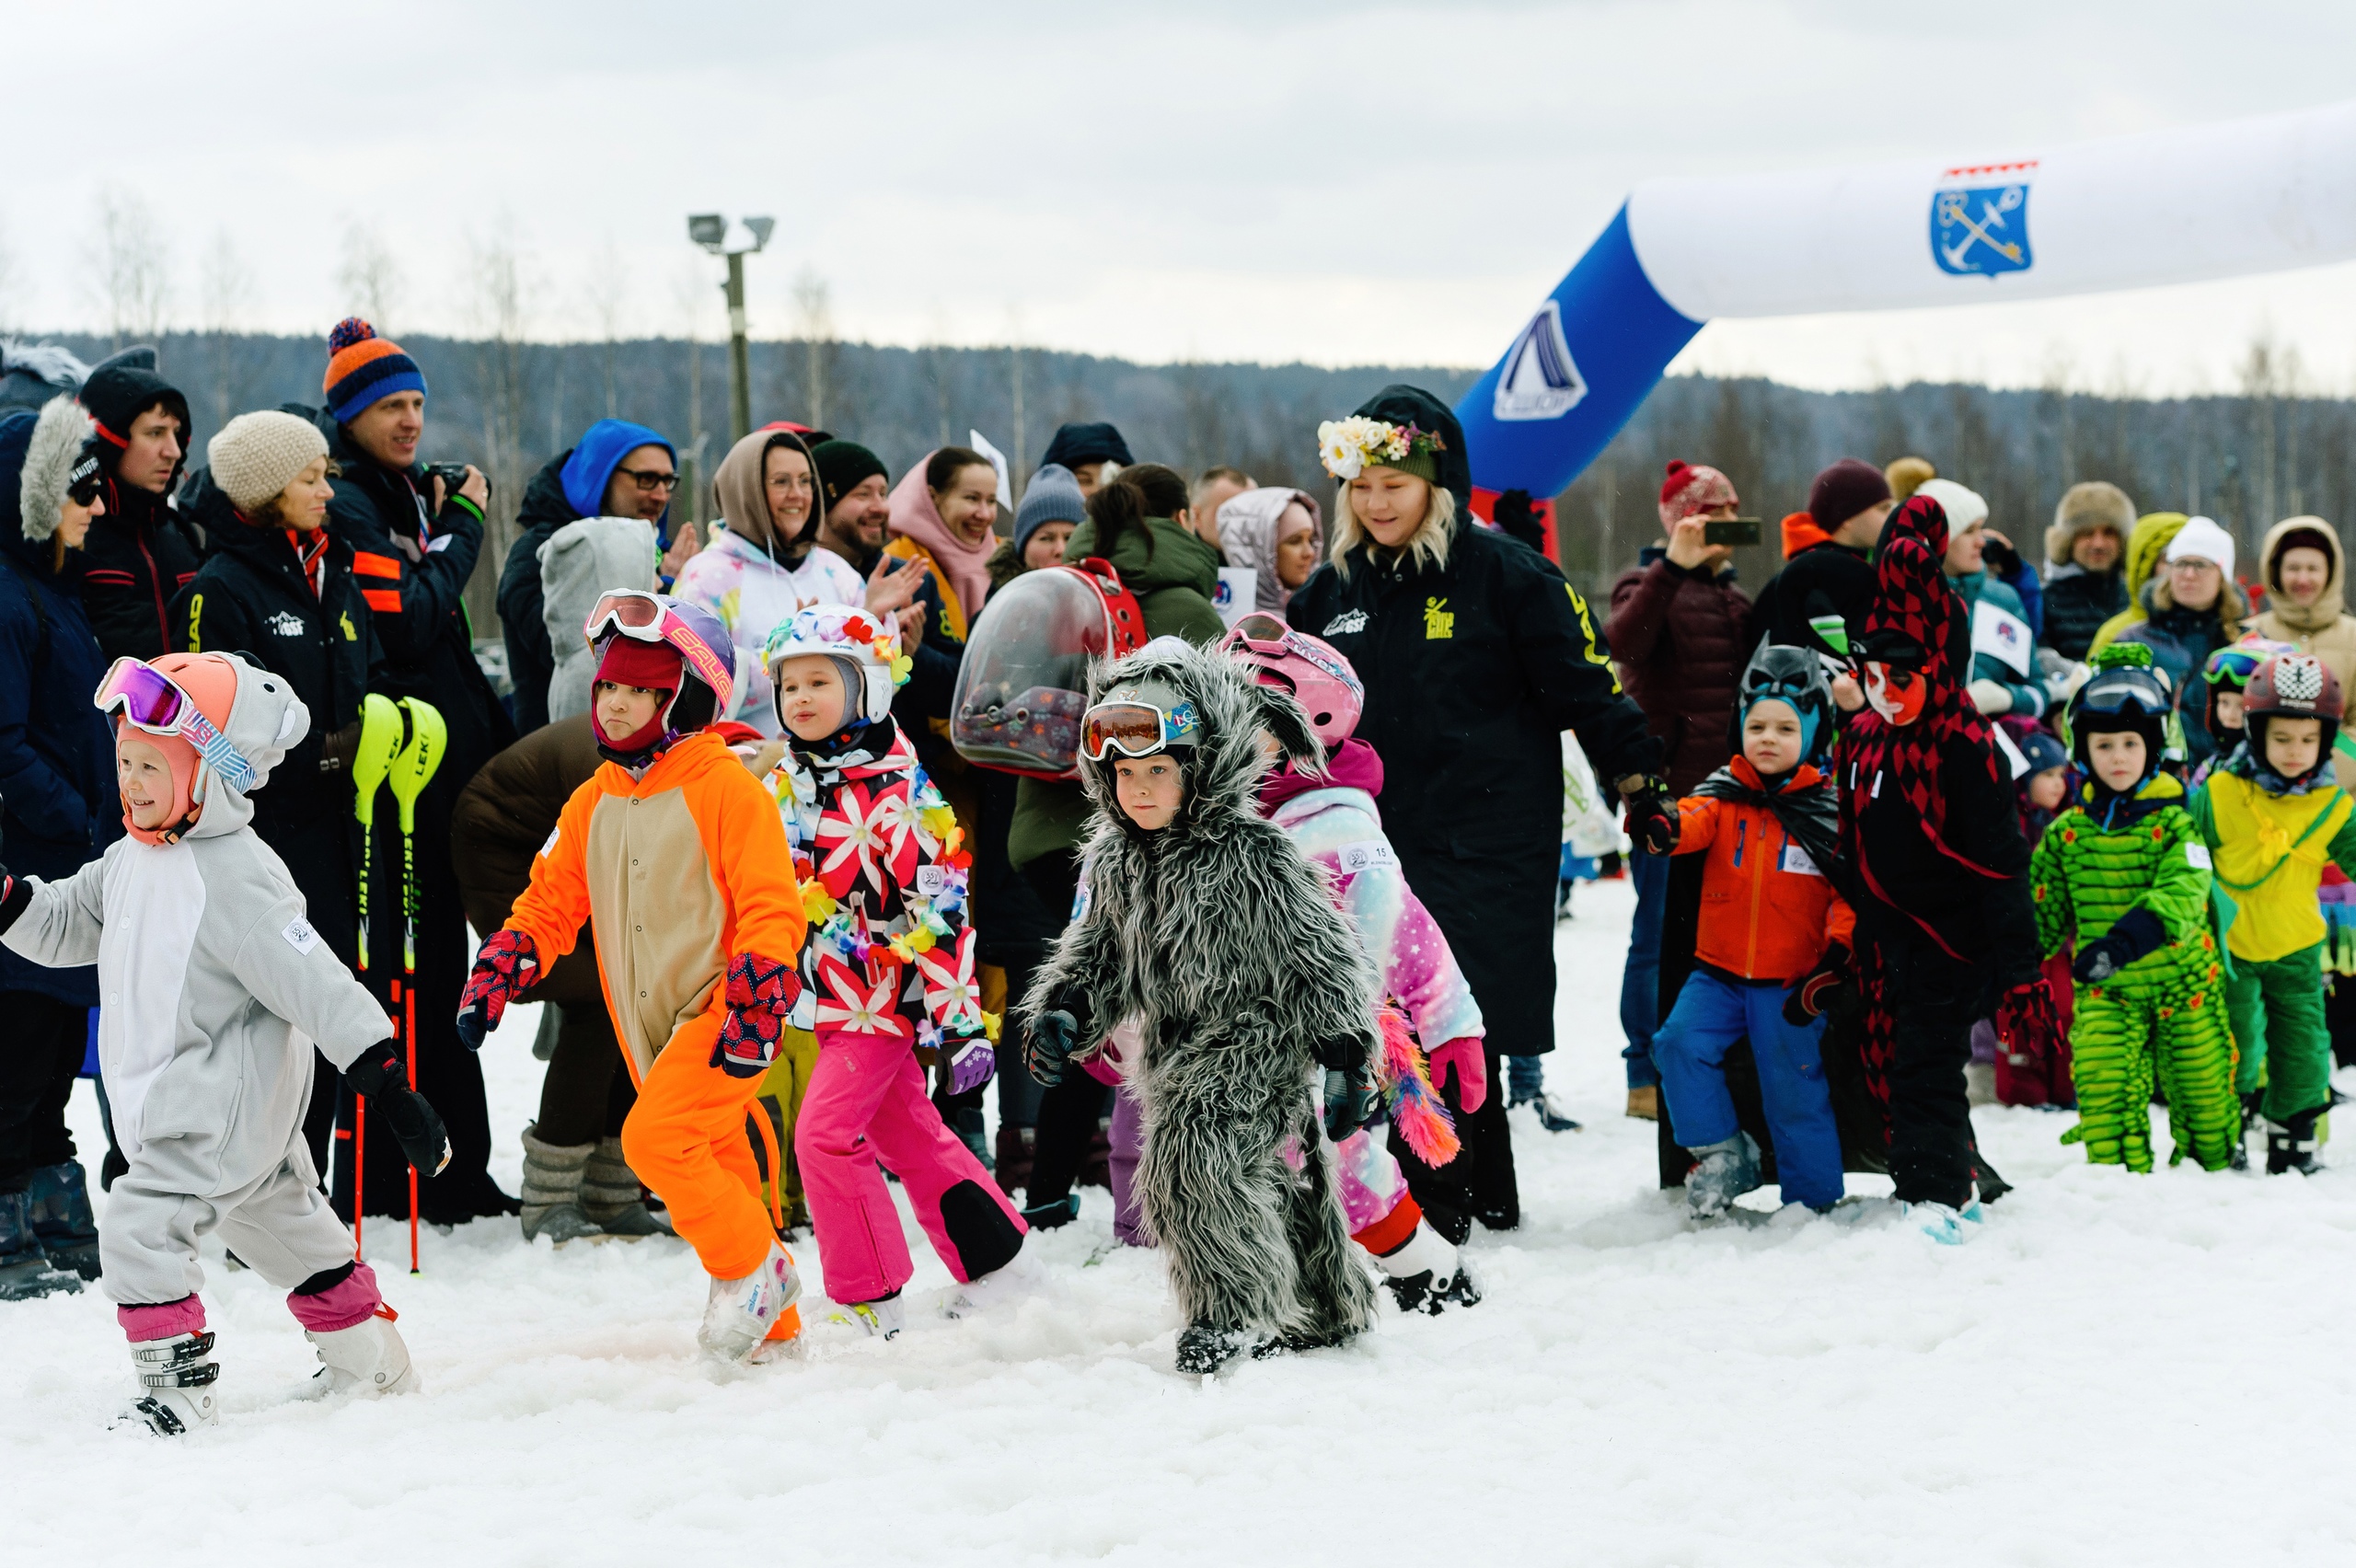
[378, 1076]
[2136, 932]
[1349, 1101]
[15, 893]
[1059, 1031]
[1652, 817]
[2000, 560]
[1517, 518]
[1814, 993]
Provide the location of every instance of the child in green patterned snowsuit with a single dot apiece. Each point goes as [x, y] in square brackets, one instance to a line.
[2124, 872]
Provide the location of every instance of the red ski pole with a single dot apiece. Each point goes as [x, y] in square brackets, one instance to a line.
[359, 1170]
[409, 1037]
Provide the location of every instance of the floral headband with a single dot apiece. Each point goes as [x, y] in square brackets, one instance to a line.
[1348, 445]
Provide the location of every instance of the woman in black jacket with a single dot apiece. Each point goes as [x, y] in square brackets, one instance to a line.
[279, 590]
[1476, 654]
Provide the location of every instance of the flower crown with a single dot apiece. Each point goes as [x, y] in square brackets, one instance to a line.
[1348, 445]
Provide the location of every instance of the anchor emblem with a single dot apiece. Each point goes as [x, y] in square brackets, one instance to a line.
[1981, 230]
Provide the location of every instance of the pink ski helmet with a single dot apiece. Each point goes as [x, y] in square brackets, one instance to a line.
[1308, 667]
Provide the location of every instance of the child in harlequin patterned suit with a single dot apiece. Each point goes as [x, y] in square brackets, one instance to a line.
[888, 968]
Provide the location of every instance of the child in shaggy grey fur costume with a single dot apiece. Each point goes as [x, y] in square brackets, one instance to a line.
[1216, 936]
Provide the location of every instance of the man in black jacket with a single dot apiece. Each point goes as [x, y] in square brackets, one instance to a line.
[139, 554]
[413, 546]
[1474, 661]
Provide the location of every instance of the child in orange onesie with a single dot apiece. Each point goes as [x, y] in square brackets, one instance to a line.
[674, 853]
[1774, 939]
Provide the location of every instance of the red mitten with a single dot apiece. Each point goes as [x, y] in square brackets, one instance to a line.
[1469, 1055]
[761, 991]
[504, 969]
[2026, 1026]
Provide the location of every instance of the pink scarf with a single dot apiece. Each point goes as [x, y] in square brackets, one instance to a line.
[966, 568]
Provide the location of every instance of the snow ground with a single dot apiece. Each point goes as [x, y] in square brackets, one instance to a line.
[2122, 1369]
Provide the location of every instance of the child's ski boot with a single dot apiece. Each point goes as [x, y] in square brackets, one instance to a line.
[175, 1377]
[2291, 1146]
[1425, 1274]
[740, 1313]
[368, 1358]
[1722, 1172]
[882, 1317]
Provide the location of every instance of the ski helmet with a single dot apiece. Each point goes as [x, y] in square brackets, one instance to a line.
[2292, 685]
[707, 653]
[1311, 669]
[2126, 691]
[1791, 675]
[864, 647]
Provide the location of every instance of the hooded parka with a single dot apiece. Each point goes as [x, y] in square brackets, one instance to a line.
[2324, 629]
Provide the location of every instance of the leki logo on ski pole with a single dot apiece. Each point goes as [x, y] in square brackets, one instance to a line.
[1979, 220]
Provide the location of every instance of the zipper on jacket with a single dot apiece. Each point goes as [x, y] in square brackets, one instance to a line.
[1741, 837]
[155, 585]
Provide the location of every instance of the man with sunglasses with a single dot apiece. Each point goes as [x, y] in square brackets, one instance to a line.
[617, 470]
[414, 542]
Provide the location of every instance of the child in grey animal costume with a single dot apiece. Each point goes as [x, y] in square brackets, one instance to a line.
[215, 987]
[1214, 936]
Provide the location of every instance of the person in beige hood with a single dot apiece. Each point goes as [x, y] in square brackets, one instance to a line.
[2305, 573]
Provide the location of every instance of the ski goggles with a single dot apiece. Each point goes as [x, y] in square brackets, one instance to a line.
[151, 700]
[1271, 638]
[2232, 666]
[644, 617]
[1136, 728]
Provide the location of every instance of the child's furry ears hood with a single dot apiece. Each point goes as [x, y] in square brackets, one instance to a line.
[1286, 722]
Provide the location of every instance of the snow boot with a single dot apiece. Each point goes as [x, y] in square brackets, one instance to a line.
[1054, 1213]
[1947, 1227]
[1552, 1114]
[552, 1180]
[176, 1379]
[367, 1358]
[25, 1270]
[882, 1317]
[2291, 1146]
[58, 1199]
[740, 1313]
[613, 1198]
[1722, 1172]
[1203, 1350]
[1423, 1273]
[1016, 1147]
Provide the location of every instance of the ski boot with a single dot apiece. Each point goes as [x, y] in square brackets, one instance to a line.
[58, 1197]
[367, 1358]
[1203, 1350]
[1423, 1273]
[25, 1270]
[553, 1184]
[614, 1200]
[2291, 1146]
[1722, 1172]
[175, 1377]
[739, 1313]
[882, 1317]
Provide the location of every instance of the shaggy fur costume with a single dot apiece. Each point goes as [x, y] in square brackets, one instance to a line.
[1220, 940]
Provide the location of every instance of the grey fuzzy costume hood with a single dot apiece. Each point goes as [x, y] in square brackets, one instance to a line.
[56, 445]
[265, 720]
[579, 561]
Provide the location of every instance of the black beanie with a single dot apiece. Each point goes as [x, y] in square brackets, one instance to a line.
[1844, 489]
[1075, 444]
[844, 465]
[122, 387]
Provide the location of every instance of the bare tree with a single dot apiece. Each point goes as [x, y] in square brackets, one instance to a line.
[225, 292]
[496, 289]
[368, 277]
[813, 318]
[129, 268]
[605, 292]
[13, 314]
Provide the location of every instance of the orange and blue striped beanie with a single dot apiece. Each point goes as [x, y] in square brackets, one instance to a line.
[363, 367]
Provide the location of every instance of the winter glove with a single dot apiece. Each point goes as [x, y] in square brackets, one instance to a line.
[1808, 1000]
[2026, 1026]
[379, 1077]
[1349, 1101]
[1056, 1035]
[2136, 933]
[2002, 561]
[968, 1064]
[504, 969]
[1517, 518]
[1991, 698]
[761, 991]
[1467, 1057]
[1652, 816]
[15, 893]
[337, 748]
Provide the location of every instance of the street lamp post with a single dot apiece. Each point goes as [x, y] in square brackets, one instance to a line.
[712, 232]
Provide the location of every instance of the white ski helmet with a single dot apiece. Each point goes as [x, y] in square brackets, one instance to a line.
[867, 647]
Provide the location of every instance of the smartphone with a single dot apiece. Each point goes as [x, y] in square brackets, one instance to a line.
[1733, 531]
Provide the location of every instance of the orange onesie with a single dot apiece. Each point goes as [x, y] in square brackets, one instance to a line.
[676, 873]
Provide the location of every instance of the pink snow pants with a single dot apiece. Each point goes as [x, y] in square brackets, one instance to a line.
[866, 1103]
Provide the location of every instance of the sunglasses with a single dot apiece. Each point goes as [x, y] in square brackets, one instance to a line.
[151, 700]
[1134, 729]
[82, 484]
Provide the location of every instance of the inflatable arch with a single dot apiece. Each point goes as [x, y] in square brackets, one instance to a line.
[2177, 206]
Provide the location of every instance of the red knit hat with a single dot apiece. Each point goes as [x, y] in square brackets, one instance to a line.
[1690, 488]
[651, 666]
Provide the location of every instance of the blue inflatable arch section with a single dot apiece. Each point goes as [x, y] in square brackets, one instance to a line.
[2130, 211]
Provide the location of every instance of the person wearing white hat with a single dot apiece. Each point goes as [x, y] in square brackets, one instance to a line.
[2195, 610]
[1999, 618]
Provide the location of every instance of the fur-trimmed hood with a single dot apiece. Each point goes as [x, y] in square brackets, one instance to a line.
[57, 443]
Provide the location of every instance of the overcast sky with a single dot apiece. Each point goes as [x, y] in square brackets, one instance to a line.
[1251, 180]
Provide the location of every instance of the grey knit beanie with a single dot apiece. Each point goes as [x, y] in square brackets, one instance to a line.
[1053, 496]
[258, 455]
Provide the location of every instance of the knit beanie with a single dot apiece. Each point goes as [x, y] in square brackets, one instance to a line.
[122, 388]
[1690, 488]
[2202, 539]
[258, 455]
[1074, 445]
[1844, 489]
[362, 368]
[844, 465]
[1052, 496]
[1966, 509]
[1906, 476]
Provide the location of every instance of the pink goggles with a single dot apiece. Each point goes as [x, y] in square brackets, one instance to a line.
[151, 700]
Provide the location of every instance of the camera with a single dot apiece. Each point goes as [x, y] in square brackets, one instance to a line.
[452, 475]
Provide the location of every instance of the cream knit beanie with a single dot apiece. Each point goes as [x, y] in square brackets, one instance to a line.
[258, 455]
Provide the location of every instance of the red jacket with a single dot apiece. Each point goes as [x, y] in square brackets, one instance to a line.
[1767, 912]
[1676, 641]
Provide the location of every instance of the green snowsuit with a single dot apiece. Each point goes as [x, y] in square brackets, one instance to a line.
[2165, 1011]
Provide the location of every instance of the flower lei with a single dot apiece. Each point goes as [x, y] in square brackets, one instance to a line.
[1347, 446]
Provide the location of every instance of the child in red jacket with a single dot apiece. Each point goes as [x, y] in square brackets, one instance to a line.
[1775, 939]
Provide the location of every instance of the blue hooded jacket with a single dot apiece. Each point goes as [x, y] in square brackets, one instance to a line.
[590, 467]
